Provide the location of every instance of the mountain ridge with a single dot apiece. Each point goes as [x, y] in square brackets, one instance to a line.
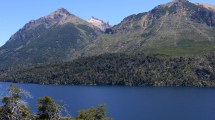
[174, 26]
[60, 17]
[173, 30]
[52, 38]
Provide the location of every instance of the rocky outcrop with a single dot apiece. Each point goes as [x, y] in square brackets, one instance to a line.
[99, 23]
[206, 5]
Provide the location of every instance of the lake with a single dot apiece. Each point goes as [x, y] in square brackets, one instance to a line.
[130, 103]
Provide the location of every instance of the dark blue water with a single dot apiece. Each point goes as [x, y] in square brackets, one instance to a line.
[131, 103]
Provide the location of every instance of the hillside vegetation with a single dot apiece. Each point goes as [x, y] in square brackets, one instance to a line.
[123, 69]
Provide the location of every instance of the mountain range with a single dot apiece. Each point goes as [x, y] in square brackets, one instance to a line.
[175, 28]
[172, 30]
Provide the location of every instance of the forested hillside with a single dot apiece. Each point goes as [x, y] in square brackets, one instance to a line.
[123, 69]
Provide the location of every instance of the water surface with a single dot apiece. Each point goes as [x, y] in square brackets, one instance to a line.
[130, 103]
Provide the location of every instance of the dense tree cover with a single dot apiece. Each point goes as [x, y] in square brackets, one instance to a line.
[123, 69]
[15, 109]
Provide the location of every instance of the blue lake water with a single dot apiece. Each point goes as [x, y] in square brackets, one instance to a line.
[130, 103]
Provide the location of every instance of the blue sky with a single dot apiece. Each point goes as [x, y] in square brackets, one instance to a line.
[15, 13]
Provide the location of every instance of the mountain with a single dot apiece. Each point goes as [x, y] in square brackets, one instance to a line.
[99, 23]
[53, 38]
[176, 28]
[172, 44]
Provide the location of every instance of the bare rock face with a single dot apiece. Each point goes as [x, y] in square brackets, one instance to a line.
[206, 5]
[99, 23]
[180, 0]
[36, 27]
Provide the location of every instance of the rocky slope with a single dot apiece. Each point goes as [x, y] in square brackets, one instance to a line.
[99, 23]
[206, 5]
[176, 28]
[53, 38]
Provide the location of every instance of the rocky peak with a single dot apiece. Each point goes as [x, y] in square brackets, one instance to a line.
[176, 1]
[99, 23]
[58, 17]
[62, 12]
[50, 19]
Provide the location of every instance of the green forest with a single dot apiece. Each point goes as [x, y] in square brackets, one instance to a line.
[122, 69]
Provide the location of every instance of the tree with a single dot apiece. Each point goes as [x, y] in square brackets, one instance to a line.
[14, 108]
[48, 109]
[0, 111]
[98, 113]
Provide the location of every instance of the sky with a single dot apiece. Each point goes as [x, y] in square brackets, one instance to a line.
[14, 14]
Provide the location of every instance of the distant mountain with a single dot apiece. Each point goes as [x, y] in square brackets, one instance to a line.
[176, 28]
[53, 38]
[181, 32]
[99, 23]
